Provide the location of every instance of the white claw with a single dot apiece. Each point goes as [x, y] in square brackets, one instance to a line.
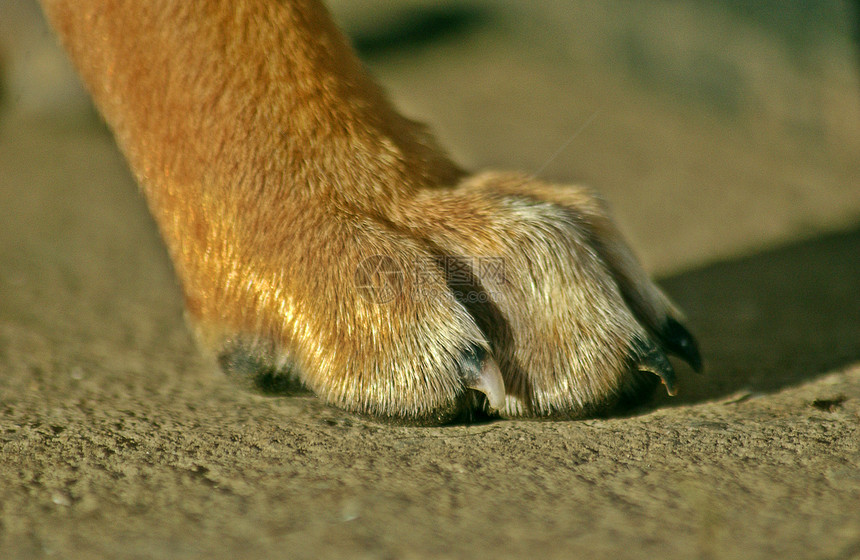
[489, 381]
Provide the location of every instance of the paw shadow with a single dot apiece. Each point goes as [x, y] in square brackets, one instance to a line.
[771, 320]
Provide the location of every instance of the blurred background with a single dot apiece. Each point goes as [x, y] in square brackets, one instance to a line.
[714, 127]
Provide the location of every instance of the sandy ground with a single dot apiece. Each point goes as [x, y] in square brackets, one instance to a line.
[726, 138]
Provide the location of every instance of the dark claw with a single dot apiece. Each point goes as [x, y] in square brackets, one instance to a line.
[678, 341]
[651, 359]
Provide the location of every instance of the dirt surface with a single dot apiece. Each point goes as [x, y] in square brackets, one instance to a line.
[727, 140]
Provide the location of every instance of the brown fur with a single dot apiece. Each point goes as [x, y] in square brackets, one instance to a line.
[274, 168]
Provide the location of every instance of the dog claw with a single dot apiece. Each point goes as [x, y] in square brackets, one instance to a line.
[652, 360]
[480, 372]
[678, 341]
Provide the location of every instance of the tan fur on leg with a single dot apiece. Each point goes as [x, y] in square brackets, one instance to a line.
[314, 230]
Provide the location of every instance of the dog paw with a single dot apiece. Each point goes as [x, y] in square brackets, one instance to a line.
[573, 321]
[329, 303]
[502, 295]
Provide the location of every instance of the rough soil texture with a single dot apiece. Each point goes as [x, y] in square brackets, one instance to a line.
[727, 139]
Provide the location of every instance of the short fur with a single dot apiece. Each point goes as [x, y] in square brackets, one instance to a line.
[275, 169]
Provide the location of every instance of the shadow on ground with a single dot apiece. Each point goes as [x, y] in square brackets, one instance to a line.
[772, 320]
[414, 27]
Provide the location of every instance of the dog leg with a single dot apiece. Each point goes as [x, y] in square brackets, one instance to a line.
[314, 230]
